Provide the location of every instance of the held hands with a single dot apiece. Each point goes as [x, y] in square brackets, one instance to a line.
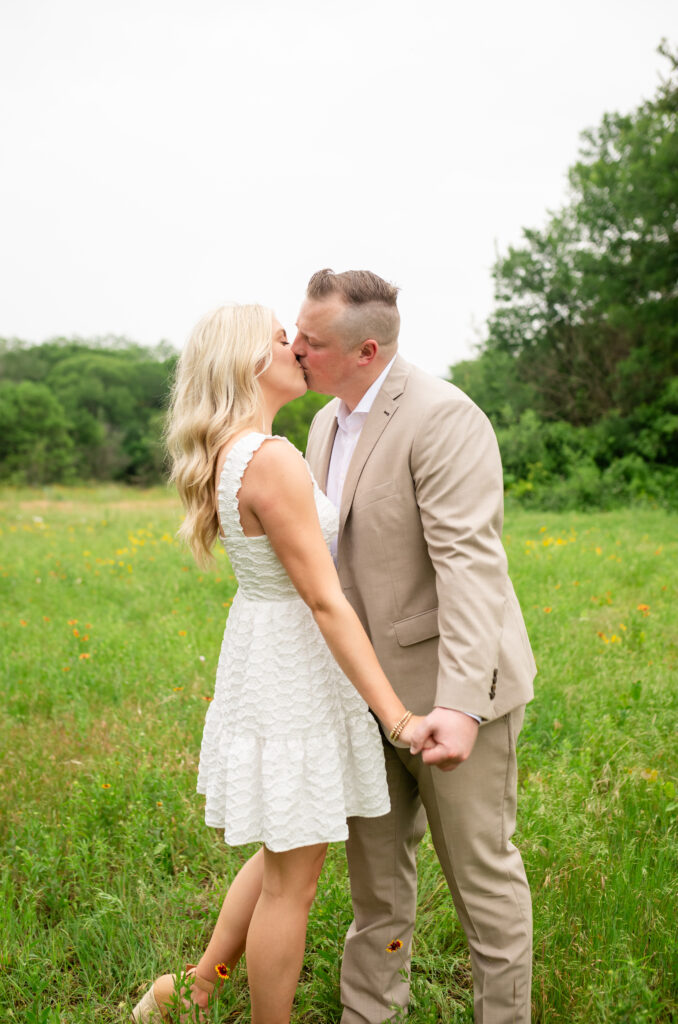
[444, 737]
[413, 725]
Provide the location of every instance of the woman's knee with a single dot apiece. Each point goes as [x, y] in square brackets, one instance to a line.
[294, 873]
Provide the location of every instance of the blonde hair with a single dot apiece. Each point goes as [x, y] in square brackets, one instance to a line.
[215, 394]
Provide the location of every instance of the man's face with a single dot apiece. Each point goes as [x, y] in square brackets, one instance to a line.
[329, 368]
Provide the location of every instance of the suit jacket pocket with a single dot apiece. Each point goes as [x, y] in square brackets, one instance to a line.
[416, 628]
[370, 494]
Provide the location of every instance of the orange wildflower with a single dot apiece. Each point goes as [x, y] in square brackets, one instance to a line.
[84, 656]
[223, 971]
[394, 946]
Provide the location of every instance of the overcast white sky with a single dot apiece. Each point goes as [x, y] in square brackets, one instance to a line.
[161, 157]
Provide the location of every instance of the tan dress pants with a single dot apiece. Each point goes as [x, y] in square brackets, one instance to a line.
[471, 813]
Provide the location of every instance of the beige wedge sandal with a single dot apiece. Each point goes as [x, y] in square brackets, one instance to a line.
[148, 1011]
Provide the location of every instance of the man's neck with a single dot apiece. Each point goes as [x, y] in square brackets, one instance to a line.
[352, 394]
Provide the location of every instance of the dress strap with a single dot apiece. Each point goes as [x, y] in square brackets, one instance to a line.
[235, 464]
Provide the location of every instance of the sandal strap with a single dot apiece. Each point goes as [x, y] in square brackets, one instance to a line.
[199, 981]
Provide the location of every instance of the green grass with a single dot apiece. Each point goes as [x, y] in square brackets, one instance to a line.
[108, 873]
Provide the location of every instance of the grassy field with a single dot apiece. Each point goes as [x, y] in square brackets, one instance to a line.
[110, 637]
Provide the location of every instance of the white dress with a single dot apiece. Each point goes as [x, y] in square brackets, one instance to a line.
[290, 749]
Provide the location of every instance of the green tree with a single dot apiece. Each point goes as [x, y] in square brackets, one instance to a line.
[588, 306]
[35, 446]
[294, 419]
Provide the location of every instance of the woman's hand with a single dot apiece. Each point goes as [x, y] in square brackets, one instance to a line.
[405, 738]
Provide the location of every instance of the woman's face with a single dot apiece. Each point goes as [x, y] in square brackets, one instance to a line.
[284, 376]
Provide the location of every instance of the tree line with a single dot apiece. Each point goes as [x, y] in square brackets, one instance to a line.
[578, 371]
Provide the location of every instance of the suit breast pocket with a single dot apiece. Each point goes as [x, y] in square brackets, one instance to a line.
[368, 495]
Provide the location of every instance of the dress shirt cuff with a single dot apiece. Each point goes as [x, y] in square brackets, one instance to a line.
[469, 714]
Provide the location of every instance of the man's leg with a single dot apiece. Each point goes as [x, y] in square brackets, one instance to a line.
[472, 815]
[382, 865]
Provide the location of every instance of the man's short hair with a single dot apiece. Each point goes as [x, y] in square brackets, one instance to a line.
[371, 309]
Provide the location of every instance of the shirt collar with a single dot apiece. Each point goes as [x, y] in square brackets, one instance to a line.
[352, 422]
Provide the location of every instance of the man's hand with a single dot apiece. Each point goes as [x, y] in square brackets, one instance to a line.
[445, 738]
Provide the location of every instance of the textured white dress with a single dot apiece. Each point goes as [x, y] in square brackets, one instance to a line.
[290, 749]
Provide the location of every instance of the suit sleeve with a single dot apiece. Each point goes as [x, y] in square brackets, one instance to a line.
[457, 475]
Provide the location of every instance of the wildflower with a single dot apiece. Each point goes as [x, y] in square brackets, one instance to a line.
[394, 946]
[223, 971]
[66, 668]
[548, 609]
[599, 551]
[158, 803]
[22, 622]
[651, 775]
[644, 608]
[177, 688]
[201, 657]
[208, 699]
[76, 632]
[105, 785]
[45, 618]
[182, 632]
[72, 622]
[83, 657]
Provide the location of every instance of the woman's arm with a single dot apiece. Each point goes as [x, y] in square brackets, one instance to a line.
[277, 489]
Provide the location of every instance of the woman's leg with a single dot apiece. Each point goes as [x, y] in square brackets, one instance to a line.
[277, 932]
[227, 943]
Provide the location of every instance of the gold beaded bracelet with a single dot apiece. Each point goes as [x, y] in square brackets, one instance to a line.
[399, 726]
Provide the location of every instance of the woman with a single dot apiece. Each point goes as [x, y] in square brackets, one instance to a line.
[290, 749]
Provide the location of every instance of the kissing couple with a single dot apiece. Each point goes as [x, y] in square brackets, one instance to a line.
[375, 665]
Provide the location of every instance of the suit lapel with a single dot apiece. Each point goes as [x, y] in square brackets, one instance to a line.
[383, 409]
[321, 453]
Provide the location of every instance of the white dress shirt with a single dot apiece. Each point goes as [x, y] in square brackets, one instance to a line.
[349, 426]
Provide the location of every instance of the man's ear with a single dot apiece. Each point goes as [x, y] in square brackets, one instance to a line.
[367, 351]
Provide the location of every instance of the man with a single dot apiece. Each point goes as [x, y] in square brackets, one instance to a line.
[414, 468]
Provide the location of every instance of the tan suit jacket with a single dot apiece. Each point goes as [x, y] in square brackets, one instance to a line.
[420, 556]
